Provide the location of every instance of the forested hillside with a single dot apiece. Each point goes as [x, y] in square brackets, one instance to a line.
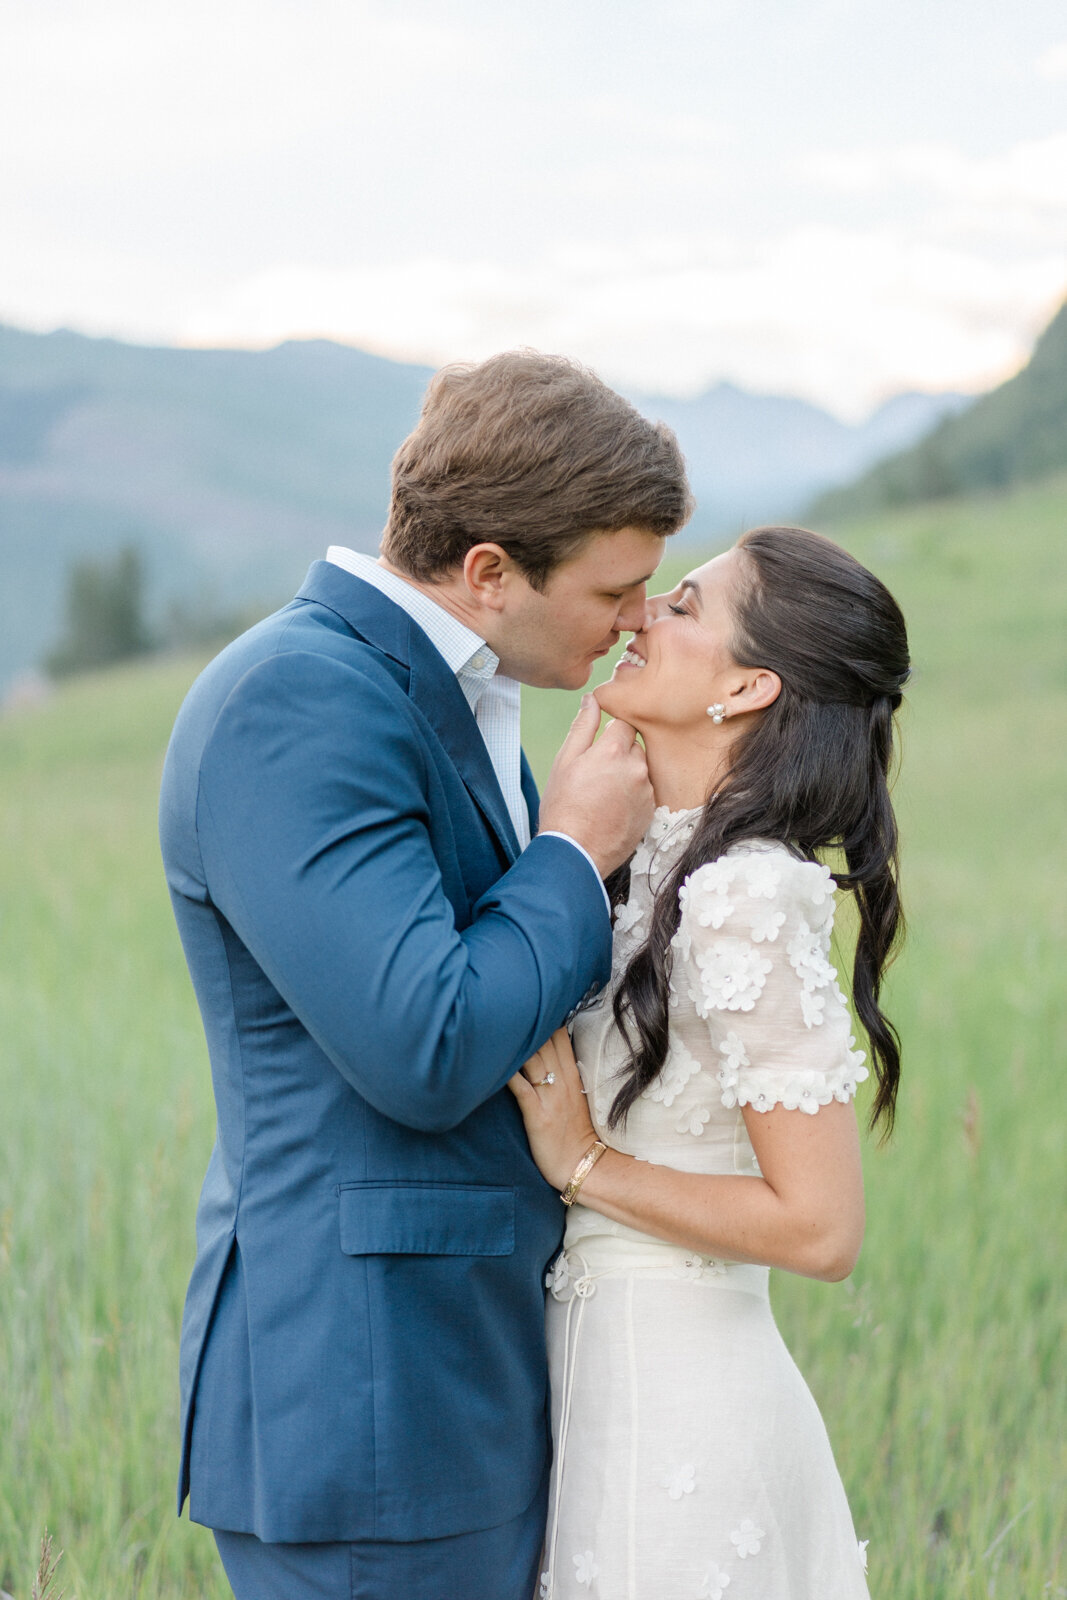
[1015, 434]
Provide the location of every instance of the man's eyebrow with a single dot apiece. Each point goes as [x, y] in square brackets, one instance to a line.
[691, 583]
[634, 583]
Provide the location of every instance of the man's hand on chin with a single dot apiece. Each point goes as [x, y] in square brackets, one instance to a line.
[598, 791]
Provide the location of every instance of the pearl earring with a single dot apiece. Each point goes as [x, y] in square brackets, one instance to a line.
[717, 712]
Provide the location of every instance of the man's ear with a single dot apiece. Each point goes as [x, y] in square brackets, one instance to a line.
[486, 571]
[759, 688]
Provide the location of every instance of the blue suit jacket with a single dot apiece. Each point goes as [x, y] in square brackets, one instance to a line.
[362, 1348]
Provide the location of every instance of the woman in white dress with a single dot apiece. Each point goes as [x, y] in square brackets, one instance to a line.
[707, 1132]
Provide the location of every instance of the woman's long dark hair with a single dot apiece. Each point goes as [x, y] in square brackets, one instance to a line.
[812, 773]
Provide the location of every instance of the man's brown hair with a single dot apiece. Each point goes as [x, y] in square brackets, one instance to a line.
[533, 453]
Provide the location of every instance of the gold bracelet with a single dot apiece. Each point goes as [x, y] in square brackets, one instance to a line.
[582, 1171]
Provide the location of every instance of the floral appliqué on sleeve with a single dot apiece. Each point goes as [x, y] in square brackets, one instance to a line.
[809, 956]
[765, 923]
[732, 975]
[729, 1074]
[762, 875]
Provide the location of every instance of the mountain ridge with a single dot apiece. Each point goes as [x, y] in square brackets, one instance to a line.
[757, 457]
[1016, 433]
[230, 469]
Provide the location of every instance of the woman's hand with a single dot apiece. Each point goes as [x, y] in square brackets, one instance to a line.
[803, 1211]
[556, 1115]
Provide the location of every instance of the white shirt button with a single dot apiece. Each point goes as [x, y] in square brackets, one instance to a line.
[477, 662]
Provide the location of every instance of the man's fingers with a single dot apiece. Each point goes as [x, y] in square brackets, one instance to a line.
[624, 734]
[583, 730]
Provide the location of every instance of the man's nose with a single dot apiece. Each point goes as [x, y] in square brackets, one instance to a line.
[634, 614]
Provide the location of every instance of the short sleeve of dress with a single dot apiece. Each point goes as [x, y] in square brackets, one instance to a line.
[752, 956]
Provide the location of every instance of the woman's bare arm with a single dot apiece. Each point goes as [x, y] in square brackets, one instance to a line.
[805, 1213]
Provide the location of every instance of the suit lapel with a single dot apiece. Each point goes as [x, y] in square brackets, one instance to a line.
[432, 685]
[529, 792]
[437, 694]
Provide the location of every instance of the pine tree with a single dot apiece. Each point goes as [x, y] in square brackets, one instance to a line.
[105, 615]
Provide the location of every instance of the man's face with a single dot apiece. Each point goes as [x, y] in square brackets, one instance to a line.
[550, 638]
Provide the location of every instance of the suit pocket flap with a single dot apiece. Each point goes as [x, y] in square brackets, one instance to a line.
[426, 1219]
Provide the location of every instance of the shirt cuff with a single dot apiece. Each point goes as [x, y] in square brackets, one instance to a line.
[551, 833]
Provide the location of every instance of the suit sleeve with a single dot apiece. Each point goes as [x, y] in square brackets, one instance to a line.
[313, 818]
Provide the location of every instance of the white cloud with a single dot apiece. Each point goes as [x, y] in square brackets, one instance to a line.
[658, 192]
[686, 129]
[142, 88]
[843, 317]
[1032, 173]
[1052, 63]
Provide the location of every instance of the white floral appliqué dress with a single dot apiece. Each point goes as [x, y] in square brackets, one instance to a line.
[691, 1460]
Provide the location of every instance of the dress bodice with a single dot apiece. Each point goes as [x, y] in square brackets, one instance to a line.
[756, 1015]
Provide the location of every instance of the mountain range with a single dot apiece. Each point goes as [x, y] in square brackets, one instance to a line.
[231, 469]
[1017, 433]
[754, 457]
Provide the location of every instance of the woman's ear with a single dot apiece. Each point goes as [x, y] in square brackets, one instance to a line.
[759, 689]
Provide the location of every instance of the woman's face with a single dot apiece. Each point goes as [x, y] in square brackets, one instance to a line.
[680, 663]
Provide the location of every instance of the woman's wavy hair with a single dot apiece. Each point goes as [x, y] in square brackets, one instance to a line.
[812, 772]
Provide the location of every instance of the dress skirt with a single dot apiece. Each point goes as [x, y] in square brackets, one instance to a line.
[691, 1459]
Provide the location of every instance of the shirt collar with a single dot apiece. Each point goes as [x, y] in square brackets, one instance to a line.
[463, 649]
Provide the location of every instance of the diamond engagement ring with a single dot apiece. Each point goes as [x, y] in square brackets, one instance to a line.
[537, 1082]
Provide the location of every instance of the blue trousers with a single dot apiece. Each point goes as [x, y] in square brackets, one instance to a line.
[490, 1564]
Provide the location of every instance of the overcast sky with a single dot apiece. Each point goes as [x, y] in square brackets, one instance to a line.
[836, 198]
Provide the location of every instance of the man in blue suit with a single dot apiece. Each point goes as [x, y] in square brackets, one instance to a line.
[376, 946]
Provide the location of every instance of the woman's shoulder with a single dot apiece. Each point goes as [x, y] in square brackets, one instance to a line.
[762, 871]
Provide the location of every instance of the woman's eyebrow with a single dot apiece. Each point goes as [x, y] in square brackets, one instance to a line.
[691, 583]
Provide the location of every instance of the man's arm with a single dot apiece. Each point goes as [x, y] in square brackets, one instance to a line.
[314, 828]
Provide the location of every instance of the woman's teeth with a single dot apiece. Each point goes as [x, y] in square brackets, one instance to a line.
[631, 659]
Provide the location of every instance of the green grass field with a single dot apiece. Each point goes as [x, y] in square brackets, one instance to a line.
[937, 1365]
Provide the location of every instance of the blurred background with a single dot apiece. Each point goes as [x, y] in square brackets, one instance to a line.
[826, 242]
